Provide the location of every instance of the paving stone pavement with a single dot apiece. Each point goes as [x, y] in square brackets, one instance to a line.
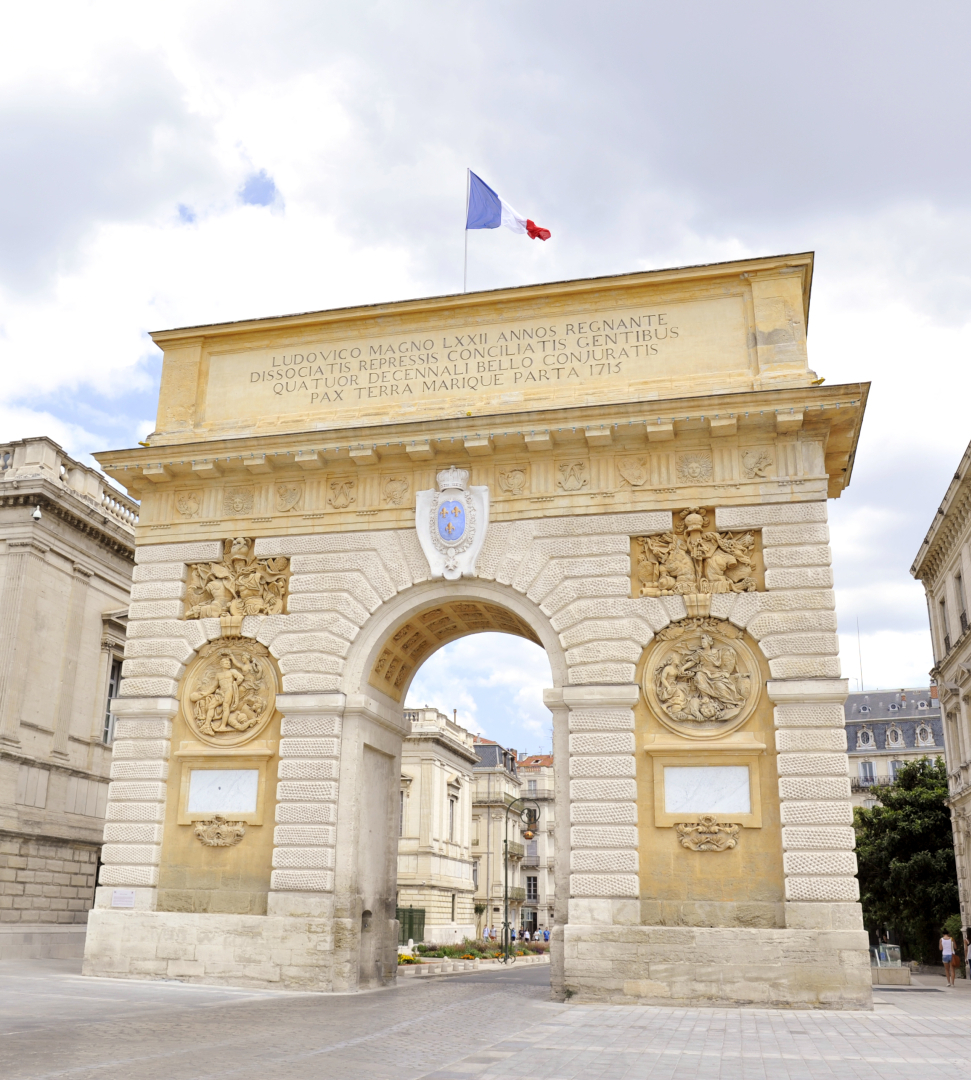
[483, 1026]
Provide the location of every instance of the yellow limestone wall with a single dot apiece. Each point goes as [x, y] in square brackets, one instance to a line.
[744, 886]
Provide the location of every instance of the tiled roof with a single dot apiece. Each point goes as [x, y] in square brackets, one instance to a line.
[907, 704]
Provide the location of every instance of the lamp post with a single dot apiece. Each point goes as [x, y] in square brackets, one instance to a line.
[528, 814]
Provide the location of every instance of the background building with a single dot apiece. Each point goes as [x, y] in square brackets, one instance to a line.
[497, 784]
[435, 825]
[536, 773]
[943, 566]
[884, 729]
[66, 574]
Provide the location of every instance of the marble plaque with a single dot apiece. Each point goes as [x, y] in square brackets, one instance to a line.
[222, 791]
[707, 789]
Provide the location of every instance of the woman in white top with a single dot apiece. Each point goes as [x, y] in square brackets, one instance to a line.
[946, 946]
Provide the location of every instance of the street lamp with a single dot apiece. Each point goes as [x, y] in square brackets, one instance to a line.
[528, 814]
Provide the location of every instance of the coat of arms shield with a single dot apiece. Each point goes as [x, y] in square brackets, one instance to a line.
[451, 523]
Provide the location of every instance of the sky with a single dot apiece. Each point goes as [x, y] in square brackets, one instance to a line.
[179, 163]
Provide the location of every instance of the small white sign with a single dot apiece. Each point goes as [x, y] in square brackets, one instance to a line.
[221, 791]
[123, 898]
[707, 789]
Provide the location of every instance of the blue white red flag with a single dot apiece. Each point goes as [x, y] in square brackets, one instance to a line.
[487, 210]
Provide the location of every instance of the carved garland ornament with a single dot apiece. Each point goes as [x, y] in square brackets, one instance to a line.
[229, 692]
[708, 834]
[218, 832]
[240, 584]
[701, 680]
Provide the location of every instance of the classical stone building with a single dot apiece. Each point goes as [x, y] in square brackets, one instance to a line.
[630, 471]
[497, 784]
[943, 566]
[435, 825]
[66, 557]
[536, 772]
[885, 729]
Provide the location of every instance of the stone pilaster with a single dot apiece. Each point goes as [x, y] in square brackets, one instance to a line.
[69, 657]
[306, 813]
[135, 813]
[17, 609]
[603, 850]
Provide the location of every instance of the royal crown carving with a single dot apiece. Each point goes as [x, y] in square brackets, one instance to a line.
[229, 692]
[239, 584]
[701, 680]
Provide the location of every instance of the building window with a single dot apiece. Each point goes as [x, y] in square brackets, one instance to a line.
[114, 685]
[451, 817]
[895, 767]
[453, 907]
[866, 772]
[532, 887]
[962, 603]
[921, 704]
[864, 708]
[475, 874]
[401, 813]
[530, 787]
[945, 629]
[894, 706]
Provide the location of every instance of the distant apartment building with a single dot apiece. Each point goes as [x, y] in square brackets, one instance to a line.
[943, 567]
[435, 867]
[536, 774]
[66, 562]
[885, 729]
[497, 785]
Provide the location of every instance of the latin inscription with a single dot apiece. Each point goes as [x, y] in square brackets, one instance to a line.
[589, 356]
[514, 357]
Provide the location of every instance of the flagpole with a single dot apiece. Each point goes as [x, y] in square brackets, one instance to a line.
[465, 262]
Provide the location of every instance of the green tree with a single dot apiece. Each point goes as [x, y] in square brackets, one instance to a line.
[908, 881]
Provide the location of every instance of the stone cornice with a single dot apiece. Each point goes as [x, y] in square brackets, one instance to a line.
[949, 526]
[801, 263]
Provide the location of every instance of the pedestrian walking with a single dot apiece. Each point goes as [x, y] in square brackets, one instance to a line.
[946, 946]
[546, 933]
[526, 937]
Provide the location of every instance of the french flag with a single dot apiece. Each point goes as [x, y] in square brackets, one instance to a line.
[488, 211]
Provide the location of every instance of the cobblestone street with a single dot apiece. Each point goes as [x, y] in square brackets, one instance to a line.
[489, 1025]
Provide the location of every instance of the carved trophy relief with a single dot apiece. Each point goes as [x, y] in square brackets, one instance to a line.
[238, 501]
[572, 476]
[218, 832]
[701, 680]
[512, 480]
[694, 468]
[342, 493]
[396, 490]
[708, 834]
[188, 503]
[633, 471]
[229, 692]
[287, 497]
[694, 559]
[240, 584]
[755, 463]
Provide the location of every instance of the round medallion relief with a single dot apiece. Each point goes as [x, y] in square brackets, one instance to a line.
[701, 679]
[229, 692]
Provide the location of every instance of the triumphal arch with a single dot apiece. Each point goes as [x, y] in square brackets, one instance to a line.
[631, 471]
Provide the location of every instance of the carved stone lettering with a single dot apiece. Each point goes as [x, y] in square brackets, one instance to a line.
[341, 493]
[571, 476]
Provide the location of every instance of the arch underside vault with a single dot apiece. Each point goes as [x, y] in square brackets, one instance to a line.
[410, 644]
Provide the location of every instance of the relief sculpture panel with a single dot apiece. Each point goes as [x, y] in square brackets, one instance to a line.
[701, 679]
[695, 560]
[239, 584]
[229, 692]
